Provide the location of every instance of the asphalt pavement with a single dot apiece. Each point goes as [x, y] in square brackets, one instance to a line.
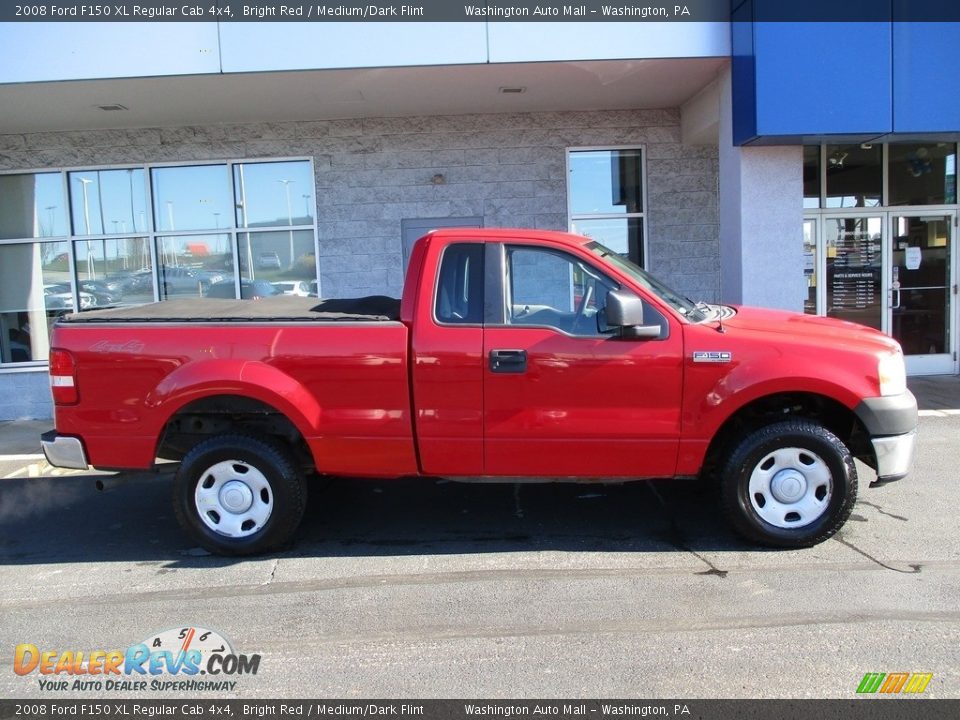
[413, 589]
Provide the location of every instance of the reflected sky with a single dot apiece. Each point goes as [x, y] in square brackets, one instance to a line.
[605, 182]
[106, 202]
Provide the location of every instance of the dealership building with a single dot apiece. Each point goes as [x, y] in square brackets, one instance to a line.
[806, 166]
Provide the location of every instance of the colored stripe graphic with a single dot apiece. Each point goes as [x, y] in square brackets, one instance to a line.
[918, 682]
[870, 682]
[893, 683]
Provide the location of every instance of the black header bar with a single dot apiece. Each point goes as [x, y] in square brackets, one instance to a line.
[466, 11]
[874, 708]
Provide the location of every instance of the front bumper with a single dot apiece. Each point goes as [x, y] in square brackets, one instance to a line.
[894, 456]
[63, 451]
[891, 423]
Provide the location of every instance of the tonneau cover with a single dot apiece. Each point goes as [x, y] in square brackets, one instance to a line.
[281, 308]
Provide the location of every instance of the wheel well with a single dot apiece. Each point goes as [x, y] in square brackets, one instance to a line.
[834, 416]
[228, 413]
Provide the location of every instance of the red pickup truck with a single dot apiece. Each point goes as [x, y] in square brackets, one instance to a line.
[513, 354]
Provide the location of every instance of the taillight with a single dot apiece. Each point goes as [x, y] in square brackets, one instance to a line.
[63, 378]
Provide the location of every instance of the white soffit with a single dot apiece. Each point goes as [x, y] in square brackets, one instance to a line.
[352, 93]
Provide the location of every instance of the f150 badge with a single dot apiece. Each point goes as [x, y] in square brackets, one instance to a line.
[712, 356]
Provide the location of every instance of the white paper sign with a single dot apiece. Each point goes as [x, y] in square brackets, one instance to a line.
[913, 258]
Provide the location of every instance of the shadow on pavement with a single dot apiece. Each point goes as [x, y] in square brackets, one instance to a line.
[67, 519]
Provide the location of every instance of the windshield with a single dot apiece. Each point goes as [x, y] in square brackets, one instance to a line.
[682, 305]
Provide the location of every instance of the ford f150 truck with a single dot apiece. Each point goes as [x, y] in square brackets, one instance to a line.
[513, 354]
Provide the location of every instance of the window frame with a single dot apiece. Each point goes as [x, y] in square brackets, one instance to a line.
[641, 216]
[506, 295]
[151, 233]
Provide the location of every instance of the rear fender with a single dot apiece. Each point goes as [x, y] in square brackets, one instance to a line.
[255, 380]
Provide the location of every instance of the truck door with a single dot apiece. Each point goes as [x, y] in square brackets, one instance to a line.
[447, 361]
[562, 395]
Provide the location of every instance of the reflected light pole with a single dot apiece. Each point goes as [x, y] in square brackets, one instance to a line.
[91, 267]
[50, 209]
[286, 186]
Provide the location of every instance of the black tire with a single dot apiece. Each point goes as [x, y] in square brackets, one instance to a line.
[755, 515]
[275, 481]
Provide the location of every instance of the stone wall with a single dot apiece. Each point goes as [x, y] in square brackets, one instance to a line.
[372, 173]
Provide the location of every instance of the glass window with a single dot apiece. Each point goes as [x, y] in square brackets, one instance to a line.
[32, 206]
[923, 174]
[554, 289]
[191, 198]
[460, 284]
[34, 290]
[274, 193]
[190, 264]
[606, 198]
[622, 235]
[115, 271]
[811, 176]
[275, 257]
[107, 202]
[606, 182]
[853, 269]
[810, 265]
[854, 175]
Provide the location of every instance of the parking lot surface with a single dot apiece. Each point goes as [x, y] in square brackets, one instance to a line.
[425, 589]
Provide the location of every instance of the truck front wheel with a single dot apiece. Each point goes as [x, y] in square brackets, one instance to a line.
[791, 484]
[239, 495]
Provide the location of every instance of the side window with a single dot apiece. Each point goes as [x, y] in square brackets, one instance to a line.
[459, 297]
[551, 288]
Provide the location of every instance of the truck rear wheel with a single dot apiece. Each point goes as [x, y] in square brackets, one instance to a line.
[237, 494]
[791, 484]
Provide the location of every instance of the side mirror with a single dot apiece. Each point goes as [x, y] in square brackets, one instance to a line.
[625, 311]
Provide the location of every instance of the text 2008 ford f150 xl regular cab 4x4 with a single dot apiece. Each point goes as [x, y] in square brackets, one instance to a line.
[513, 354]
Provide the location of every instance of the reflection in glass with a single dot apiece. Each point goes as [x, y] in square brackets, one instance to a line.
[107, 202]
[191, 198]
[921, 266]
[811, 176]
[622, 235]
[606, 182]
[34, 290]
[854, 175]
[274, 193]
[115, 271]
[853, 248]
[276, 257]
[923, 174]
[190, 264]
[810, 265]
[32, 206]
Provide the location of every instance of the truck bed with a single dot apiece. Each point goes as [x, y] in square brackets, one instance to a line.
[282, 308]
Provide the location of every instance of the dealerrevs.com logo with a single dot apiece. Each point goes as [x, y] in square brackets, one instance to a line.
[188, 659]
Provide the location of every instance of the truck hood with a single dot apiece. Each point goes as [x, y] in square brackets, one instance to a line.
[814, 327]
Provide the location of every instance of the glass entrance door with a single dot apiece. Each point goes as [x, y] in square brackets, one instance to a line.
[853, 246]
[920, 297]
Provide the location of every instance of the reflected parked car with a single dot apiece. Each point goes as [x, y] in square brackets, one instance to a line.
[249, 290]
[184, 281]
[293, 287]
[106, 292]
[267, 260]
[58, 296]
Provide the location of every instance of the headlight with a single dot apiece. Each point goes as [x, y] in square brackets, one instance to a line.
[893, 374]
